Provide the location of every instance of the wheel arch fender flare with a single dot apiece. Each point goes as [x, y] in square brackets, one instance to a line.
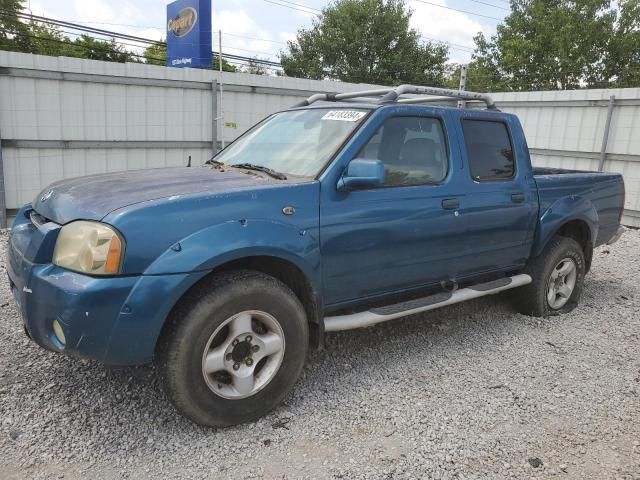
[560, 213]
[218, 244]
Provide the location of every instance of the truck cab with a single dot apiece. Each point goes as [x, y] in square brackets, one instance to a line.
[458, 201]
[324, 217]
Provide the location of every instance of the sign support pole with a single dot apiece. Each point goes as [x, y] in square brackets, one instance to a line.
[214, 117]
[221, 100]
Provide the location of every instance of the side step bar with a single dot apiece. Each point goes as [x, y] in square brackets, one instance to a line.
[389, 312]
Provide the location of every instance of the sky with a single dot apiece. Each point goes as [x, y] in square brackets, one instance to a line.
[261, 27]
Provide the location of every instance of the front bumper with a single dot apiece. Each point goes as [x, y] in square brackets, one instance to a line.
[115, 320]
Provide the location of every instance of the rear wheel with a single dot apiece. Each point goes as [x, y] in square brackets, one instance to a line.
[558, 277]
[233, 348]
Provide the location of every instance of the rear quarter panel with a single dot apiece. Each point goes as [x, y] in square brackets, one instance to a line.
[593, 197]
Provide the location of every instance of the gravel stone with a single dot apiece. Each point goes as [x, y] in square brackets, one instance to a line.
[471, 391]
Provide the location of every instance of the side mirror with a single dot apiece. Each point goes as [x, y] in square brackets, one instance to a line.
[362, 173]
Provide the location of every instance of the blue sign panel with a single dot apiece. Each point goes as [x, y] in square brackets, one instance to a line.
[189, 34]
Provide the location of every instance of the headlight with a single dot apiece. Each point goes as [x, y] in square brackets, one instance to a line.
[89, 247]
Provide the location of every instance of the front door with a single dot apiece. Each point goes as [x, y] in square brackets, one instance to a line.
[404, 233]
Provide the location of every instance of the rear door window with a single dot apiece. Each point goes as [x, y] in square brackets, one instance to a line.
[489, 150]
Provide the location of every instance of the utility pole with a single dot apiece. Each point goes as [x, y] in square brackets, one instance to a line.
[463, 84]
[221, 102]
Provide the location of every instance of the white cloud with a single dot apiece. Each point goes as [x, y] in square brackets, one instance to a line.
[287, 37]
[241, 35]
[447, 26]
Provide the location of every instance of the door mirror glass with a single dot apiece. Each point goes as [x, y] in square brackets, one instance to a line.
[362, 173]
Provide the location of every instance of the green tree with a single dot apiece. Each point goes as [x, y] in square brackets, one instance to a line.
[549, 45]
[226, 66]
[624, 61]
[14, 34]
[156, 54]
[365, 41]
[108, 51]
[479, 79]
[255, 68]
[48, 41]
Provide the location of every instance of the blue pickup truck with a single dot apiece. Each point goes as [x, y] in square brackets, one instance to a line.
[341, 212]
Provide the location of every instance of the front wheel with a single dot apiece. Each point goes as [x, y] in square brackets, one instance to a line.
[558, 276]
[233, 348]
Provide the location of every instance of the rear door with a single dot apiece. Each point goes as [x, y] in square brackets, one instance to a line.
[501, 208]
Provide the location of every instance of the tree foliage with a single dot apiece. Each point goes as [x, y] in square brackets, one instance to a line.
[156, 54]
[256, 68]
[33, 37]
[479, 78]
[365, 41]
[14, 34]
[226, 66]
[562, 44]
[624, 61]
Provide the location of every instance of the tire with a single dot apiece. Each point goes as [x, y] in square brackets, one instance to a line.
[190, 351]
[548, 271]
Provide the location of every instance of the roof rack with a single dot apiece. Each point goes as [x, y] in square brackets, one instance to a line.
[392, 95]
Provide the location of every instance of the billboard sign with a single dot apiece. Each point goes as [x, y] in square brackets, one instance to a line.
[189, 34]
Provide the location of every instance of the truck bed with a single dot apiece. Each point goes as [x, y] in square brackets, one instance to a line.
[604, 190]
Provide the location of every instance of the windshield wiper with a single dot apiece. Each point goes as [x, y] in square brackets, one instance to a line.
[214, 163]
[260, 168]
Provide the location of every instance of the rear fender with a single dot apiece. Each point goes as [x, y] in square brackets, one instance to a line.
[561, 212]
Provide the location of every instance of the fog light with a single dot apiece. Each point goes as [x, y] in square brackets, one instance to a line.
[58, 332]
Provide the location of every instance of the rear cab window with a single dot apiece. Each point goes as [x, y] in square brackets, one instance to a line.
[489, 150]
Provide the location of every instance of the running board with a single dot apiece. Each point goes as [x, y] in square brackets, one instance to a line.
[389, 312]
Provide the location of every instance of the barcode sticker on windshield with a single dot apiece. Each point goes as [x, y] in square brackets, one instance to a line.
[344, 115]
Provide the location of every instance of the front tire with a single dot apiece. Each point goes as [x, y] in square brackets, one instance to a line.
[558, 278]
[233, 348]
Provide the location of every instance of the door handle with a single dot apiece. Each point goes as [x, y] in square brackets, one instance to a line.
[450, 203]
[517, 197]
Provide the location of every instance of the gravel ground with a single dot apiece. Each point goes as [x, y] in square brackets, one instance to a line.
[470, 391]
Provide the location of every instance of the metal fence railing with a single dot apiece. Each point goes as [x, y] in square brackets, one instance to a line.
[65, 117]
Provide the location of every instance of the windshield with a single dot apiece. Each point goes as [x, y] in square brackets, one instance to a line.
[298, 142]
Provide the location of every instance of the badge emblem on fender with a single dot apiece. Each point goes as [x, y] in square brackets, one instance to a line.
[46, 196]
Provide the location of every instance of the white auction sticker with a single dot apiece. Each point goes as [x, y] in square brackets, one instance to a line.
[344, 115]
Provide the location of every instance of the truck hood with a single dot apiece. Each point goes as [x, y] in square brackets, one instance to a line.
[93, 197]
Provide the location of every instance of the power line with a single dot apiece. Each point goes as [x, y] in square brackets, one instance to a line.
[118, 24]
[112, 34]
[95, 38]
[457, 10]
[78, 45]
[147, 41]
[104, 48]
[249, 50]
[294, 6]
[300, 5]
[291, 7]
[492, 5]
[77, 26]
[253, 38]
[460, 47]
